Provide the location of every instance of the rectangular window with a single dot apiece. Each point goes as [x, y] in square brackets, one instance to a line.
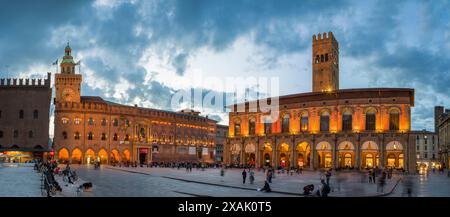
[394, 119]
[324, 123]
[417, 147]
[267, 128]
[370, 121]
[346, 122]
[304, 124]
[285, 125]
[237, 129]
[425, 148]
[251, 128]
[425, 155]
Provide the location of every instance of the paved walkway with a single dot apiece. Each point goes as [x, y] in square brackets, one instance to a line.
[19, 180]
[343, 184]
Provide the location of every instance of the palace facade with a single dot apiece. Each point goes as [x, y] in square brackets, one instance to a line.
[326, 128]
[24, 118]
[89, 128]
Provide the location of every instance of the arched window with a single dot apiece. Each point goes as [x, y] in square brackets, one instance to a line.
[127, 137]
[91, 121]
[285, 124]
[322, 58]
[371, 119]
[347, 120]
[90, 136]
[116, 122]
[77, 121]
[127, 122]
[35, 114]
[326, 57]
[304, 122]
[103, 122]
[77, 136]
[394, 119]
[251, 127]
[115, 137]
[16, 133]
[103, 136]
[317, 59]
[30, 134]
[65, 120]
[64, 134]
[325, 121]
[237, 128]
[21, 114]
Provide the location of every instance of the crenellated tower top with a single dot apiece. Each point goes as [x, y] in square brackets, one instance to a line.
[325, 63]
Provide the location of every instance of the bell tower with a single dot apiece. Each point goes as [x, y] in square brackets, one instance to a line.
[67, 83]
[325, 63]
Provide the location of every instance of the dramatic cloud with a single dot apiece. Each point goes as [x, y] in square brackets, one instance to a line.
[142, 52]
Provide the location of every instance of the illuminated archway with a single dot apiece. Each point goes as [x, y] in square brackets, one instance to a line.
[115, 157]
[324, 154]
[63, 155]
[369, 155]
[266, 152]
[303, 154]
[76, 156]
[284, 156]
[346, 155]
[250, 154]
[126, 155]
[89, 156]
[394, 150]
[103, 156]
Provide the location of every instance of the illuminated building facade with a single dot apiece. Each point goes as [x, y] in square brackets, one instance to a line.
[89, 128]
[326, 128]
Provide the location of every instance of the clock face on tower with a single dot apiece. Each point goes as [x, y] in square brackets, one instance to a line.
[67, 94]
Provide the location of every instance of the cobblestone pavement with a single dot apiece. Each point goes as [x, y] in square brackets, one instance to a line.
[19, 181]
[114, 183]
[424, 185]
[167, 182]
[342, 184]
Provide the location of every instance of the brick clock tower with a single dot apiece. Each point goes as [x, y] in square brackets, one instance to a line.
[325, 65]
[67, 83]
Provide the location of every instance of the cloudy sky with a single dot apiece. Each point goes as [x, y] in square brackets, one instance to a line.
[142, 52]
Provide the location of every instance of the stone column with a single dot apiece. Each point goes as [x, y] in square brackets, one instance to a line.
[406, 157]
[358, 155]
[274, 155]
[257, 154]
[312, 163]
[382, 147]
[335, 156]
[242, 160]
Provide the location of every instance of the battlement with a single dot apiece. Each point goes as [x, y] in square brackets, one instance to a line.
[324, 37]
[27, 82]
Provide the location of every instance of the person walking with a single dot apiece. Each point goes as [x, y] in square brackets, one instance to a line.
[370, 176]
[222, 173]
[328, 176]
[252, 176]
[325, 190]
[269, 176]
[244, 176]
